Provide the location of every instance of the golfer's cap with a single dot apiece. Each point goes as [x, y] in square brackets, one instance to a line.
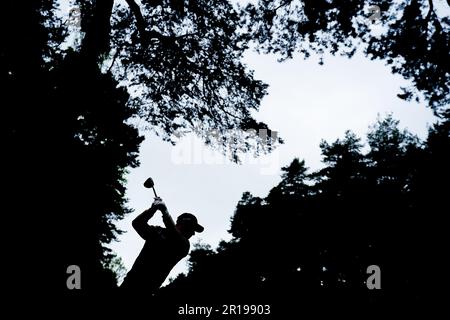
[189, 218]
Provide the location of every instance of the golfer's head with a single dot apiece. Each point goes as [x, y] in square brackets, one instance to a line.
[188, 225]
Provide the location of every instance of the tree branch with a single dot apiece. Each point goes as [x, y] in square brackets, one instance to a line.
[142, 26]
[140, 22]
[430, 10]
[116, 54]
[96, 41]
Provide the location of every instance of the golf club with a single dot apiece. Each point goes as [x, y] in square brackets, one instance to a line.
[150, 184]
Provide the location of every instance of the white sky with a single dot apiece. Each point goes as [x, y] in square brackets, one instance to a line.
[306, 103]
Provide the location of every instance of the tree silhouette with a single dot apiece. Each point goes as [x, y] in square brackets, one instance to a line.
[68, 137]
[183, 61]
[343, 27]
[319, 232]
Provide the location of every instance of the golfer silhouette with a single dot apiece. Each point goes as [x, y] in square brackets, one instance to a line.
[163, 248]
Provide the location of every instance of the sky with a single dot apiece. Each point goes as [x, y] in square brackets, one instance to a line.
[306, 103]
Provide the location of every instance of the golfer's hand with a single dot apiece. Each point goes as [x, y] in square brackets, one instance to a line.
[159, 204]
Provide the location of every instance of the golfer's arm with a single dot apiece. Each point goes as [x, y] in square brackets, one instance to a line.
[140, 223]
[168, 221]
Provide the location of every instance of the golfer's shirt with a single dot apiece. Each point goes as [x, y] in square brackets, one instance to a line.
[162, 250]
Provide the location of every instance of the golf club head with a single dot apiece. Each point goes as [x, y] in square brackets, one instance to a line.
[149, 183]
